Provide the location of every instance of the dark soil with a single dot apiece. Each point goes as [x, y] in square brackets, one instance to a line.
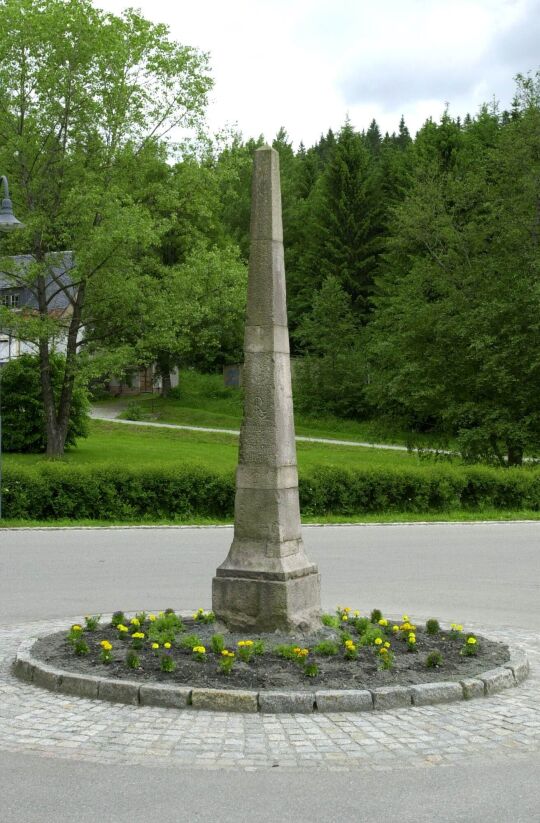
[269, 671]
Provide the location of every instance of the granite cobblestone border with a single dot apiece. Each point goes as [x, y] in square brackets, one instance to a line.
[32, 670]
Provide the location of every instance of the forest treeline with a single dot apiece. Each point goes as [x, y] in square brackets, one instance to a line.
[413, 271]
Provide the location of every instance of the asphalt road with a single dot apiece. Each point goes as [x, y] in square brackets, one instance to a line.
[487, 573]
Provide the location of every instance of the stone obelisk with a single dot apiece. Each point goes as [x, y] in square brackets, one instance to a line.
[266, 582]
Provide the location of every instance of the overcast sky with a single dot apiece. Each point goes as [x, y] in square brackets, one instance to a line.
[306, 64]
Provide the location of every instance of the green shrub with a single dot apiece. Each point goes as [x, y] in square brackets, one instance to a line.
[326, 648]
[23, 415]
[64, 490]
[432, 626]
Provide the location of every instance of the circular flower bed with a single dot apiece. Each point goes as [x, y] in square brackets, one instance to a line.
[351, 651]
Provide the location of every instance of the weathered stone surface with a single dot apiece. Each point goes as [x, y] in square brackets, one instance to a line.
[350, 700]
[23, 669]
[267, 582]
[80, 685]
[391, 697]
[170, 697]
[224, 700]
[472, 687]
[519, 665]
[496, 680]
[427, 694]
[119, 691]
[286, 702]
[47, 677]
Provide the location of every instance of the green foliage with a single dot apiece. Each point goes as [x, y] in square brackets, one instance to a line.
[80, 647]
[434, 659]
[166, 663]
[133, 661]
[326, 648]
[188, 641]
[133, 411]
[432, 626]
[92, 622]
[376, 615]
[331, 621]
[118, 618]
[371, 634]
[285, 650]
[23, 413]
[217, 642]
[56, 491]
[361, 624]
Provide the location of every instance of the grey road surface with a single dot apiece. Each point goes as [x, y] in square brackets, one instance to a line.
[486, 573]
[34, 790]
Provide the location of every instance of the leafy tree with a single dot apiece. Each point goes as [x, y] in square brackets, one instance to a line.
[23, 414]
[86, 101]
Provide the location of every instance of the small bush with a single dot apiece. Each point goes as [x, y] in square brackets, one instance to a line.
[188, 641]
[376, 615]
[217, 642]
[327, 648]
[434, 659]
[432, 626]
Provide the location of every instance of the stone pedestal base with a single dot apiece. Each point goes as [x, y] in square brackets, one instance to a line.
[256, 604]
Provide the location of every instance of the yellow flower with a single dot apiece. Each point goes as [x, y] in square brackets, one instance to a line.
[405, 618]
[471, 641]
[122, 628]
[151, 617]
[76, 628]
[166, 645]
[383, 621]
[387, 645]
[344, 617]
[195, 616]
[199, 650]
[395, 628]
[378, 641]
[135, 621]
[383, 650]
[138, 635]
[106, 645]
[249, 642]
[346, 608]
[357, 614]
[227, 653]
[161, 614]
[200, 611]
[155, 645]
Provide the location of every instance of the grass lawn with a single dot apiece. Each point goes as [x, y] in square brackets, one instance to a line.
[137, 445]
[204, 401]
[456, 515]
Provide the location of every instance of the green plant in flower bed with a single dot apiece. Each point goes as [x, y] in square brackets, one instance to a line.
[385, 656]
[92, 622]
[330, 620]
[456, 631]
[326, 648]
[434, 659]
[165, 627]
[371, 635]
[133, 661]
[432, 626]
[245, 650]
[217, 641]
[117, 619]
[141, 617]
[105, 653]
[258, 647]
[75, 633]
[137, 639]
[188, 641]
[470, 647]
[226, 662]
[199, 653]
[80, 646]
[351, 651]
[200, 616]
[376, 615]
[166, 663]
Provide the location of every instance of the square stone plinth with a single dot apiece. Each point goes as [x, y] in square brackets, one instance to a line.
[257, 604]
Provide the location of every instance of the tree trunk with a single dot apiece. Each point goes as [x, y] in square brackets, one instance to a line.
[514, 456]
[164, 369]
[166, 383]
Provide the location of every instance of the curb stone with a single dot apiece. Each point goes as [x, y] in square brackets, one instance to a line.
[428, 694]
[134, 693]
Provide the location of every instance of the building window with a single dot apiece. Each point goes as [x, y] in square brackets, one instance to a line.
[10, 300]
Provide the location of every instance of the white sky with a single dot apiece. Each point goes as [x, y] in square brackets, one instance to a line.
[306, 64]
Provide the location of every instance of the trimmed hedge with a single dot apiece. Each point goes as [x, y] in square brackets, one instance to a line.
[57, 491]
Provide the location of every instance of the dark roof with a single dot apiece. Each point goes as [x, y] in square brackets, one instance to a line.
[59, 265]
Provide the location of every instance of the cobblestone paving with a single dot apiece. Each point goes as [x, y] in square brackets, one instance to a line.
[33, 720]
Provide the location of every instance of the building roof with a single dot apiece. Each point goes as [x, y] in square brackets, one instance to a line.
[58, 280]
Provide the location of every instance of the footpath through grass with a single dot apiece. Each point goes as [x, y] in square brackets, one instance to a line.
[202, 400]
